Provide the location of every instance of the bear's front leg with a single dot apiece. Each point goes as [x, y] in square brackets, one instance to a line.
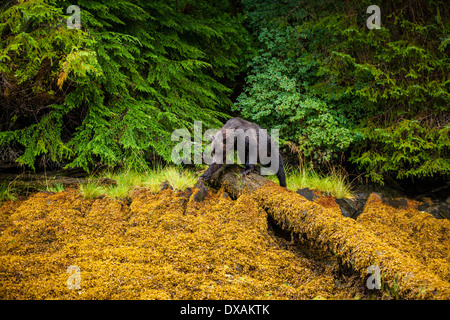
[208, 173]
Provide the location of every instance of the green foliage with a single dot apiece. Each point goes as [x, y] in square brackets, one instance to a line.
[283, 92]
[408, 149]
[401, 72]
[331, 84]
[7, 192]
[41, 138]
[113, 91]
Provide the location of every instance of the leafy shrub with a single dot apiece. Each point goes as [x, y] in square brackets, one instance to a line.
[280, 93]
[331, 84]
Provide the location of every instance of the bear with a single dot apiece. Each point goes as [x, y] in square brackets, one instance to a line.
[253, 145]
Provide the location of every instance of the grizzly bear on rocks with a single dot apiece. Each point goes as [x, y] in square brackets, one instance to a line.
[253, 145]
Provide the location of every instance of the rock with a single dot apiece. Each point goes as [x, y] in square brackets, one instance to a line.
[444, 210]
[184, 198]
[188, 190]
[353, 207]
[201, 194]
[165, 185]
[434, 211]
[398, 203]
[346, 206]
[187, 193]
[423, 206]
[199, 184]
[308, 194]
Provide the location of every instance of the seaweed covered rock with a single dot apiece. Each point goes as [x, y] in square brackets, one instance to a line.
[170, 246]
[357, 245]
[414, 233]
[156, 246]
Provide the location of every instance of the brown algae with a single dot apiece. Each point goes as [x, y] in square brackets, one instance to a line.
[162, 246]
[168, 246]
[368, 242]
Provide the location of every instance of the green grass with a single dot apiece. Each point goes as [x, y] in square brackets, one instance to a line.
[57, 187]
[335, 184]
[92, 189]
[128, 180]
[7, 192]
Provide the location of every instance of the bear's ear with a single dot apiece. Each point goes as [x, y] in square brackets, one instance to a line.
[211, 137]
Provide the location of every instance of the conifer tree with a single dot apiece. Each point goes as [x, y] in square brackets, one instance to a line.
[113, 91]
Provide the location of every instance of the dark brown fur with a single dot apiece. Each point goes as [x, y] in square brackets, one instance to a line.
[254, 136]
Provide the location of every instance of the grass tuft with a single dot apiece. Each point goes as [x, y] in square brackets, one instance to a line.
[91, 190]
[335, 183]
[128, 180]
[7, 192]
[57, 187]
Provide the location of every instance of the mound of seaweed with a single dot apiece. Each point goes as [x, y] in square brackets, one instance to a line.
[170, 246]
[409, 247]
[414, 233]
[161, 246]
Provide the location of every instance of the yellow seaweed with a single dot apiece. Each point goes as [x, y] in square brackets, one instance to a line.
[162, 246]
[359, 245]
[168, 246]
